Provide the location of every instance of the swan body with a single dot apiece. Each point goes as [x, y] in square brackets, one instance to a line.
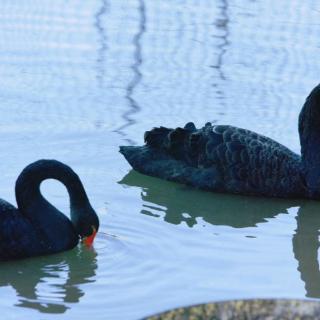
[224, 158]
[36, 227]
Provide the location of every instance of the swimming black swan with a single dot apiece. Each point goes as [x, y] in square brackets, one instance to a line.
[38, 228]
[228, 159]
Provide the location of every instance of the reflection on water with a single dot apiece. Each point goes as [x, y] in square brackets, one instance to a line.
[222, 25]
[137, 75]
[103, 40]
[50, 283]
[305, 244]
[185, 204]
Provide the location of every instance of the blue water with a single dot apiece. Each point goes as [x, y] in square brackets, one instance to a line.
[80, 78]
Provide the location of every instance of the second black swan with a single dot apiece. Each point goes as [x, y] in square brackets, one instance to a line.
[224, 158]
[37, 227]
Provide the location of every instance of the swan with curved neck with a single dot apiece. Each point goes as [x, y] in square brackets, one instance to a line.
[36, 227]
[224, 158]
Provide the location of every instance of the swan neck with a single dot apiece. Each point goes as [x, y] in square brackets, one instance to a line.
[309, 132]
[28, 193]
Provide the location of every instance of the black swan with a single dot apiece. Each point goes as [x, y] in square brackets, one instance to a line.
[223, 158]
[37, 227]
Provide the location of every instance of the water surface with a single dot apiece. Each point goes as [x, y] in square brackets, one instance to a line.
[80, 78]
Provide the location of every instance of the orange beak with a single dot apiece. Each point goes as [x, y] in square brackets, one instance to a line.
[88, 241]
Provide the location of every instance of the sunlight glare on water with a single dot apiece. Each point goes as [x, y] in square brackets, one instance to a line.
[80, 78]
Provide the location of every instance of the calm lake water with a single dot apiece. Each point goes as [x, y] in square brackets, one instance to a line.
[79, 78]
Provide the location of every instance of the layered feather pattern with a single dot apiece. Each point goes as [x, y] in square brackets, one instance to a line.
[219, 158]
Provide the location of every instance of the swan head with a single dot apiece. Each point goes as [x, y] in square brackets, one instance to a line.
[86, 223]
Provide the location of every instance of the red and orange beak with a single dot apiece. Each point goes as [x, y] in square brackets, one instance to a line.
[88, 241]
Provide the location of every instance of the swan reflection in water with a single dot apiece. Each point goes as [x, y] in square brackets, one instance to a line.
[237, 212]
[51, 283]
[305, 247]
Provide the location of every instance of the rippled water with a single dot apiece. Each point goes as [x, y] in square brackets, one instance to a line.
[80, 78]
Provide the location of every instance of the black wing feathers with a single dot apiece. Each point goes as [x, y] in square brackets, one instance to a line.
[246, 161]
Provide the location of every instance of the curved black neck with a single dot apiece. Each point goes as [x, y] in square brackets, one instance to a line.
[34, 206]
[53, 228]
[28, 183]
[309, 131]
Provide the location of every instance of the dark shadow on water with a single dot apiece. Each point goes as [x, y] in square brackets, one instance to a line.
[178, 203]
[63, 273]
